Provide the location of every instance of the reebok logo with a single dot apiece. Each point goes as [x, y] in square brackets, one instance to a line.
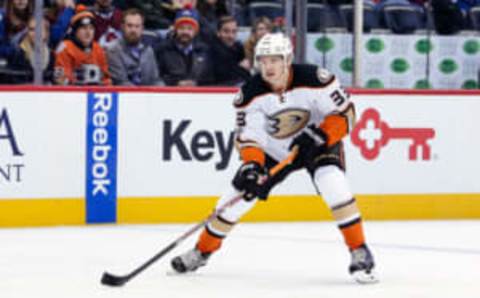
[101, 190]
[101, 148]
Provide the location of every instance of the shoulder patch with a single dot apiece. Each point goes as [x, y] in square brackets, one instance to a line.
[323, 75]
[238, 99]
[249, 91]
[311, 75]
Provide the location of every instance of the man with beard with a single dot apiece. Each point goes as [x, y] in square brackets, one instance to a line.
[79, 59]
[131, 62]
[231, 67]
[182, 59]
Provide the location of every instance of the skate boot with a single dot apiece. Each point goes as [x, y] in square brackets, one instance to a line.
[189, 261]
[361, 267]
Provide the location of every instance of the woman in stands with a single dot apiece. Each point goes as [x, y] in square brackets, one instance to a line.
[22, 62]
[260, 27]
[13, 21]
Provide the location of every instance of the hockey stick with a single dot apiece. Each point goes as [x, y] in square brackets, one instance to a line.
[119, 280]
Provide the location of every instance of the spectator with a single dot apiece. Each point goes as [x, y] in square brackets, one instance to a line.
[182, 59]
[13, 21]
[335, 2]
[59, 15]
[120, 4]
[231, 67]
[131, 62]
[447, 16]
[153, 12]
[108, 20]
[172, 6]
[16, 16]
[79, 59]
[206, 31]
[23, 60]
[466, 5]
[260, 27]
[211, 11]
[86, 2]
[420, 3]
[409, 24]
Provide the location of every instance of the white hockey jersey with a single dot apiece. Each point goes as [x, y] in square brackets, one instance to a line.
[270, 120]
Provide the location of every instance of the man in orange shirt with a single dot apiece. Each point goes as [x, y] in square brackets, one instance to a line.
[79, 59]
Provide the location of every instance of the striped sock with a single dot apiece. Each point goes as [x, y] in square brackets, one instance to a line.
[211, 238]
[349, 221]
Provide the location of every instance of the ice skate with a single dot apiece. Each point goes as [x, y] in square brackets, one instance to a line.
[361, 267]
[189, 261]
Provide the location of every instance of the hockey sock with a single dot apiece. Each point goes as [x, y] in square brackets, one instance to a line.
[353, 234]
[208, 243]
[211, 238]
[349, 221]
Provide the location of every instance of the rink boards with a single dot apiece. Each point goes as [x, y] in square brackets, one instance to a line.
[163, 155]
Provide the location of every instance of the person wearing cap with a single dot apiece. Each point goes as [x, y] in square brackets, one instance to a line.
[130, 61]
[182, 59]
[79, 59]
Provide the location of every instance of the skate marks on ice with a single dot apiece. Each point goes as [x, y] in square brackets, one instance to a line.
[288, 260]
[396, 244]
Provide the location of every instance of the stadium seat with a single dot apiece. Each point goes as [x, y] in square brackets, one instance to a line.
[321, 17]
[370, 18]
[267, 1]
[474, 15]
[403, 19]
[265, 9]
[240, 14]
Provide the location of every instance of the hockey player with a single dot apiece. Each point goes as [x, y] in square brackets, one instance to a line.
[289, 106]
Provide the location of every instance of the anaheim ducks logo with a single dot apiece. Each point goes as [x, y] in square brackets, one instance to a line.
[287, 122]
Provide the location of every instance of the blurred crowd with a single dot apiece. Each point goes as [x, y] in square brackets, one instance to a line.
[159, 42]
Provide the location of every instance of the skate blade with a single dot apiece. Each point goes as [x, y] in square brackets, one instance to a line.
[363, 277]
[173, 272]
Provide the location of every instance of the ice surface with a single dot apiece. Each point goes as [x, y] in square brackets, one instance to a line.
[414, 259]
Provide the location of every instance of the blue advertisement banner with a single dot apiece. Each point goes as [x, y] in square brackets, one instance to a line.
[101, 171]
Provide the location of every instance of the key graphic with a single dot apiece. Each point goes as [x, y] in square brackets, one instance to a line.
[371, 134]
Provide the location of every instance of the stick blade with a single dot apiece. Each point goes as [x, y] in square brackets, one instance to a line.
[112, 280]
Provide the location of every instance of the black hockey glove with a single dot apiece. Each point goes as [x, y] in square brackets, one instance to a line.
[249, 179]
[309, 142]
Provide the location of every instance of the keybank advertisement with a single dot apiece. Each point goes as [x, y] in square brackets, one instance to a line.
[182, 145]
[414, 144]
[100, 147]
[175, 144]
